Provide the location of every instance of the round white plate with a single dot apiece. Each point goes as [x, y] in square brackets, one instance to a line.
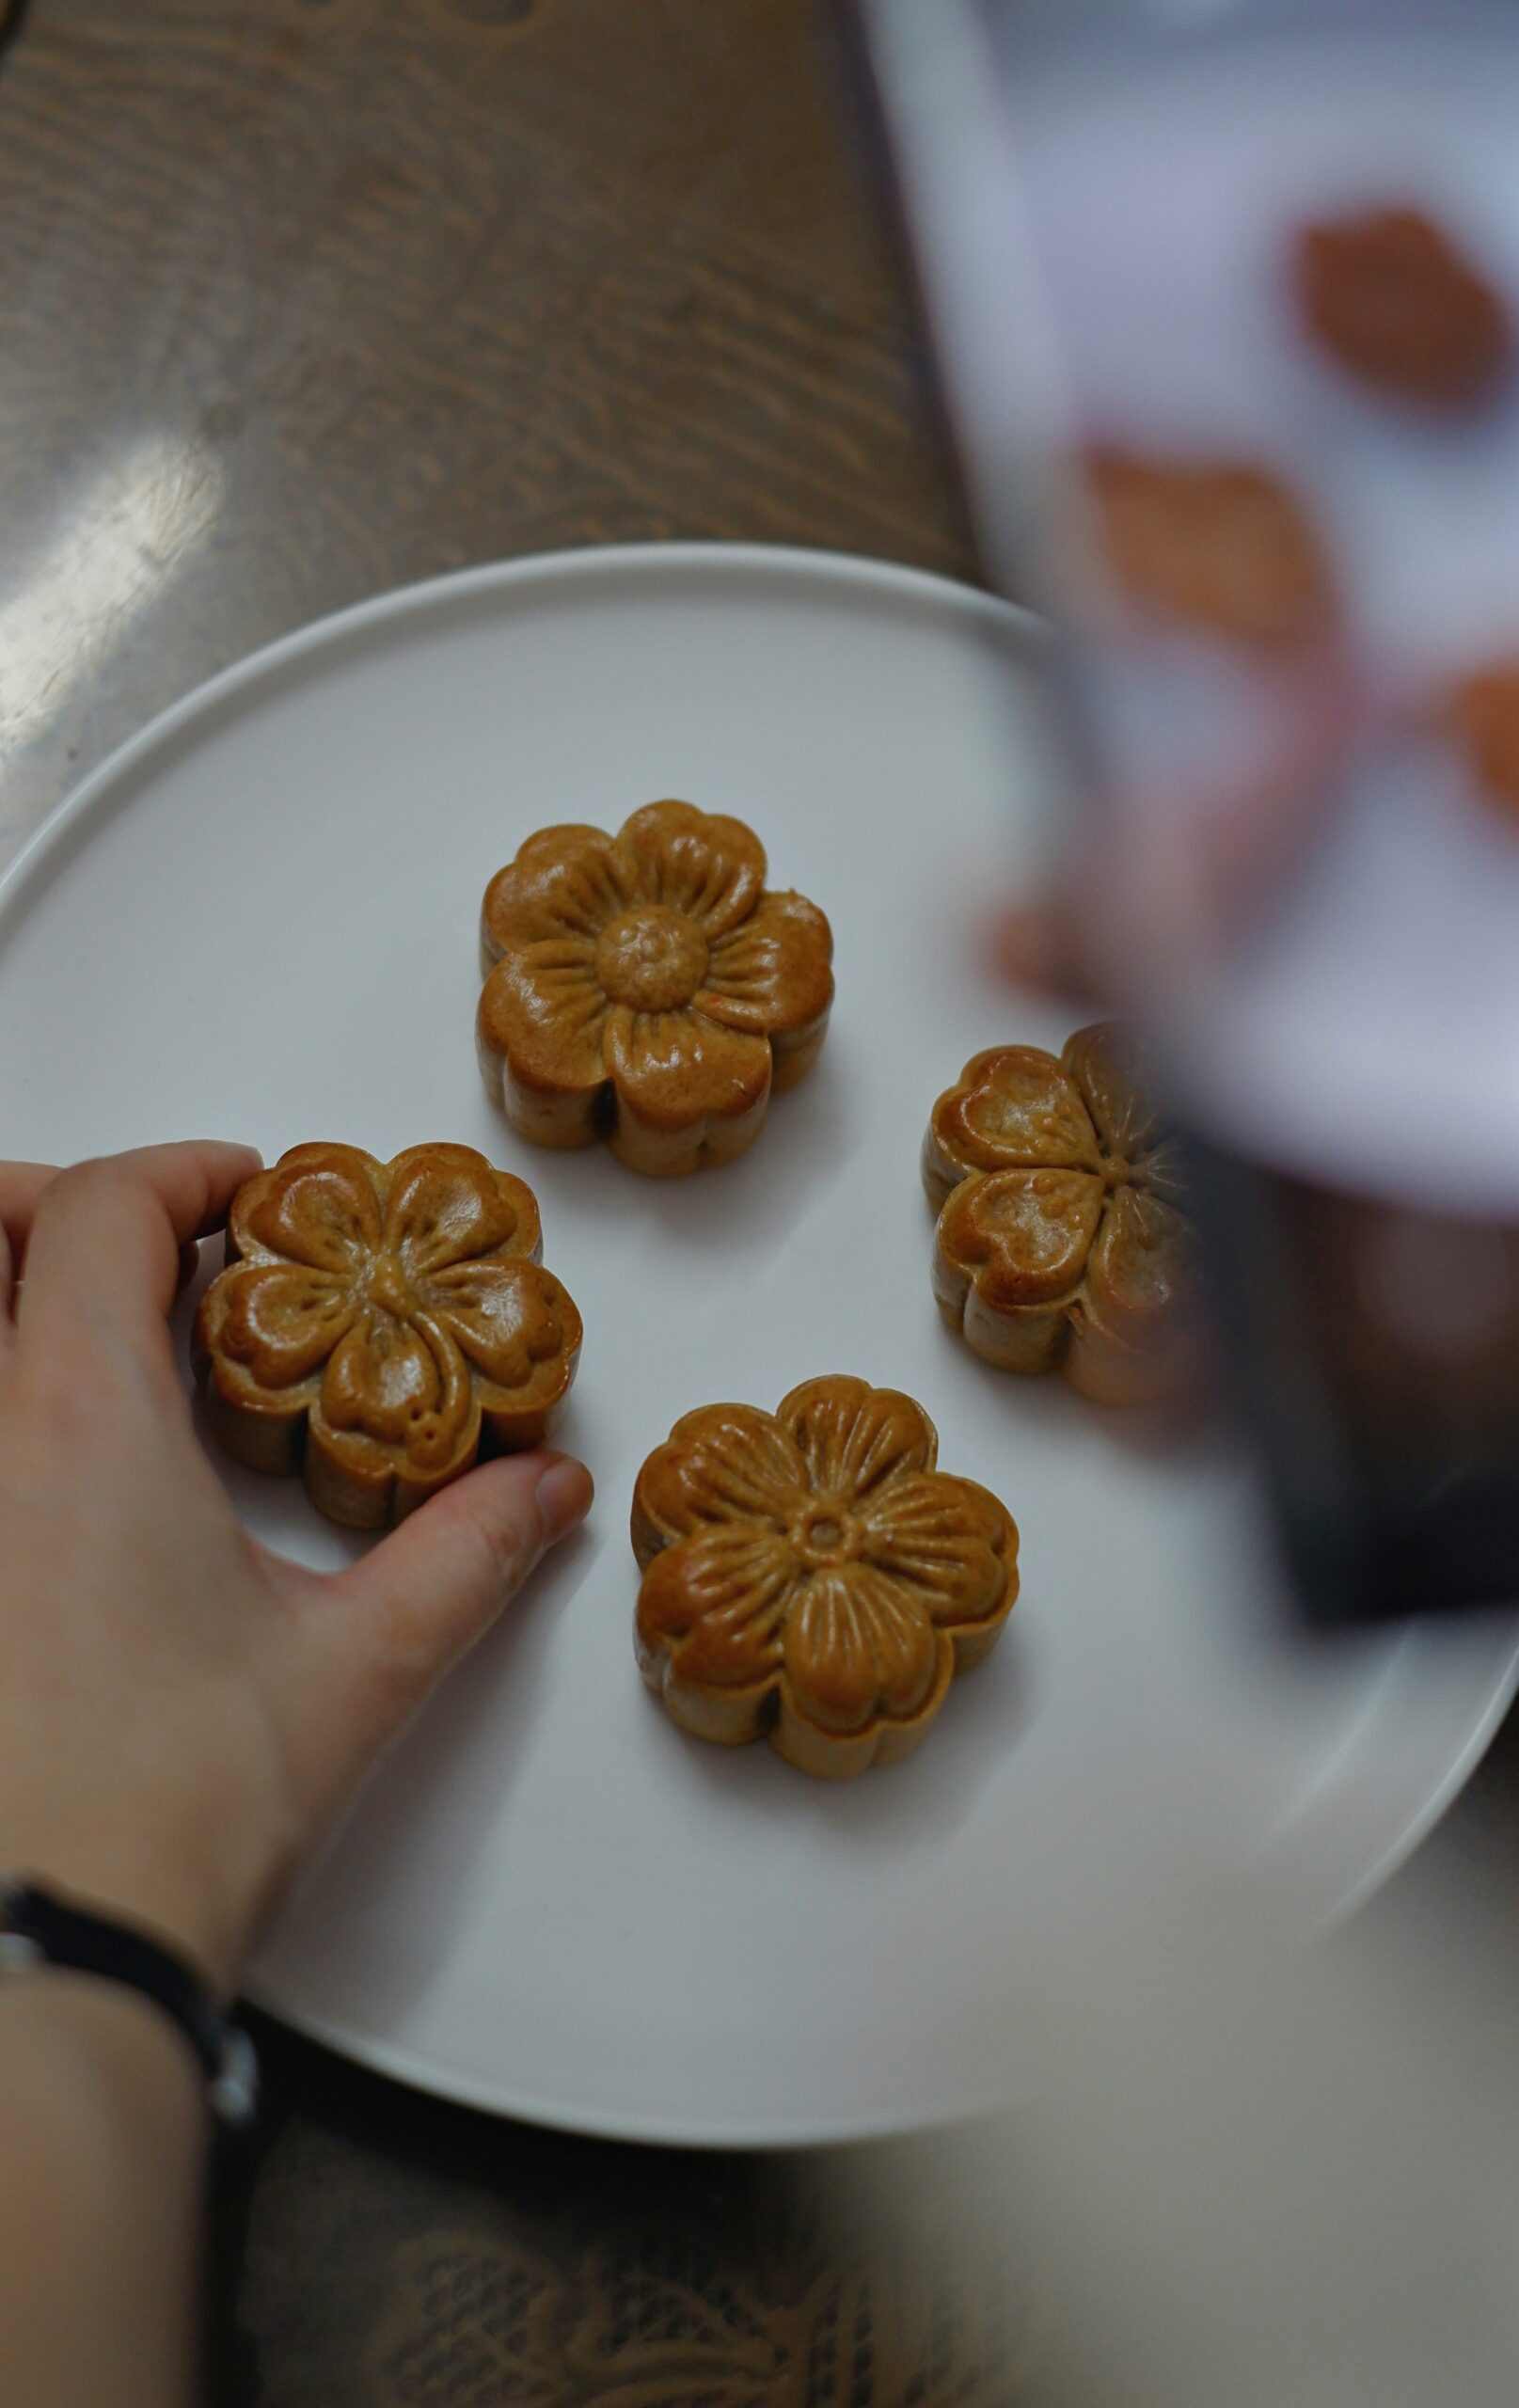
[258, 921]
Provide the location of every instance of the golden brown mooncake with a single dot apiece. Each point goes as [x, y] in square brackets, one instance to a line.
[1221, 546]
[1062, 1238]
[1393, 301]
[810, 1577]
[647, 988]
[380, 1325]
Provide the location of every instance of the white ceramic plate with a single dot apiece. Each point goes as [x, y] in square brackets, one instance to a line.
[259, 920]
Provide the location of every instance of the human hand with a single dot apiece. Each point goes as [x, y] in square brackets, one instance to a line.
[182, 1712]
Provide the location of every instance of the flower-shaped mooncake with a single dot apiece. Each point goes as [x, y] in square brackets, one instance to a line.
[1061, 1237]
[646, 987]
[809, 1574]
[380, 1325]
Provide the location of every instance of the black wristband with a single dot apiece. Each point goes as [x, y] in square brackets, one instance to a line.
[37, 1928]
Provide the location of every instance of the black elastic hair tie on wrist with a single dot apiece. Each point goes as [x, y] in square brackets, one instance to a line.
[39, 1928]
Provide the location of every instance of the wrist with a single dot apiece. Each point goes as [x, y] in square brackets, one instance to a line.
[102, 2058]
[102, 1876]
[106, 2157]
[40, 1927]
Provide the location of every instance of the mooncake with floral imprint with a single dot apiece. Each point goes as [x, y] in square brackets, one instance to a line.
[648, 988]
[1063, 1239]
[381, 1325]
[811, 1577]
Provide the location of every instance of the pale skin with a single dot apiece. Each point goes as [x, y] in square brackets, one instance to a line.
[181, 1716]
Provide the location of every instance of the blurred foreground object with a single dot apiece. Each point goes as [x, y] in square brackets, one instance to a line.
[1245, 2182]
[1484, 720]
[1152, 241]
[1218, 544]
[1388, 294]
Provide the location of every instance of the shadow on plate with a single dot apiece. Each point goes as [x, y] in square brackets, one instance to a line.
[922, 1801]
[751, 1206]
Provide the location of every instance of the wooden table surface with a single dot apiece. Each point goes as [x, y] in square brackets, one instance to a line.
[300, 299]
[312, 297]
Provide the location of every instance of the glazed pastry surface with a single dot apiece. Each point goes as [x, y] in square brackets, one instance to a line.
[648, 988]
[381, 1325]
[810, 1577]
[1062, 1239]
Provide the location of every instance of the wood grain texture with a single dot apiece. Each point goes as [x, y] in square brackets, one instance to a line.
[304, 298]
[300, 299]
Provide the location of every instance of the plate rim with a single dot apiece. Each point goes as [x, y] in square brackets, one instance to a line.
[46, 849]
[397, 2062]
[420, 596]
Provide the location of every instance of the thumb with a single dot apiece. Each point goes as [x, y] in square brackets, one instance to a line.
[391, 1625]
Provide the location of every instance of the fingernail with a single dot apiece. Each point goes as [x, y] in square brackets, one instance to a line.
[562, 1496]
